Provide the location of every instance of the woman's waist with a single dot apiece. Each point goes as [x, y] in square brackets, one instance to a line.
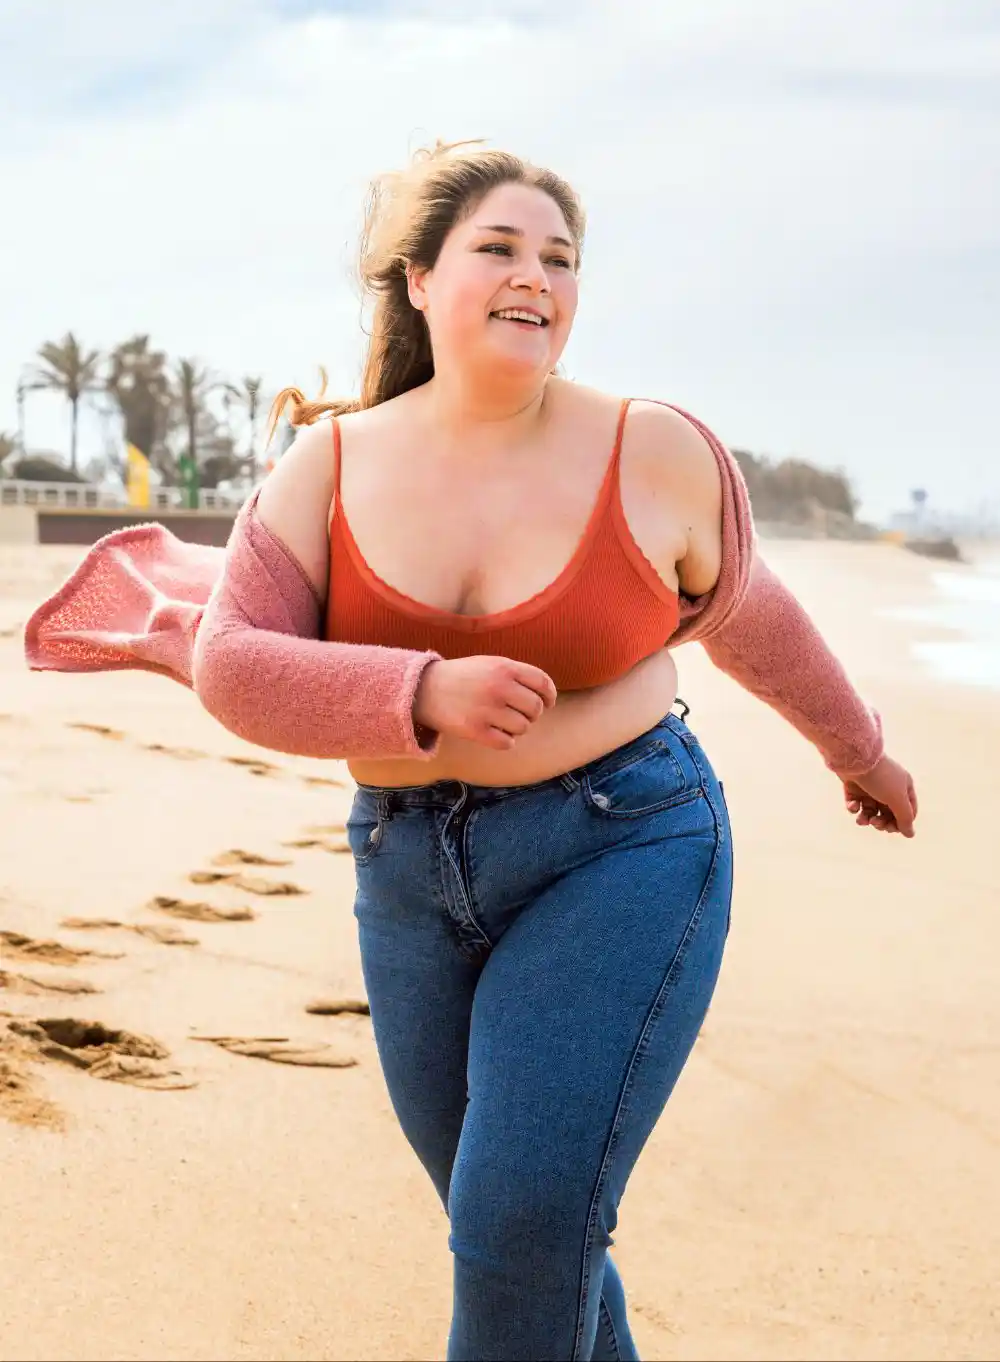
[582, 727]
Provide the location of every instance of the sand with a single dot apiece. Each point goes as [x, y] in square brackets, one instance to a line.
[212, 1169]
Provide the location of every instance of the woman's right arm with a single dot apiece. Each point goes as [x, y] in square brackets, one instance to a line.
[261, 666]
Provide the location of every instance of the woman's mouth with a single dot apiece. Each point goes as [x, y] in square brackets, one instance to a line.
[520, 317]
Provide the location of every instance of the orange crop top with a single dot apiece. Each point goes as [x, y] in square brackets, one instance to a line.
[607, 610]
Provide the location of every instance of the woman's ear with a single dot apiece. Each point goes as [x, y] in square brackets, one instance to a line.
[416, 287]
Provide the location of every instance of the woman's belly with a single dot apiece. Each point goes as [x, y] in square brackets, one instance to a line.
[581, 726]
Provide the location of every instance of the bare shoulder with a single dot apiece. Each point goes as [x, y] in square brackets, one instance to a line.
[385, 417]
[294, 501]
[673, 449]
[679, 467]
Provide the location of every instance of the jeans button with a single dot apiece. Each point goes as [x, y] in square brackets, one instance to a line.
[602, 801]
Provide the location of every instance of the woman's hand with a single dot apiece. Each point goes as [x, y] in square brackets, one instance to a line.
[489, 700]
[884, 798]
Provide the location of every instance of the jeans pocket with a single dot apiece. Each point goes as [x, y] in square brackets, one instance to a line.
[365, 828]
[654, 779]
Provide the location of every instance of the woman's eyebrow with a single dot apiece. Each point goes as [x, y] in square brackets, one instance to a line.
[505, 230]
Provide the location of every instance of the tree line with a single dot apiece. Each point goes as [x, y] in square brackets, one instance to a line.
[172, 410]
[794, 492]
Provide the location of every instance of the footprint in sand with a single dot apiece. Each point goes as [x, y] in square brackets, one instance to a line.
[282, 1050]
[200, 912]
[254, 765]
[650, 1312]
[337, 1007]
[165, 932]
[103, 1052]
[181, 753]
[238, 857]
[335, 845]
[53, 983]
[16, 947]
[252, 884]
[102, 730]
[20, 1102]
[322, 780]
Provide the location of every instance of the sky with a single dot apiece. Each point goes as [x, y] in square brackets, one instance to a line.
[794, 205]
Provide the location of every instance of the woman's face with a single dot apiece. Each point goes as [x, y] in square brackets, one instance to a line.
[512, 254]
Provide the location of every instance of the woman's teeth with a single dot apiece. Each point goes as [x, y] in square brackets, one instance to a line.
[513, 314]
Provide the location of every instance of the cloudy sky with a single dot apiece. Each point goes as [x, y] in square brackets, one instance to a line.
[794, 204]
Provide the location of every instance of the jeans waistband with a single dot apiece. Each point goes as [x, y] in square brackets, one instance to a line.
[445, 793]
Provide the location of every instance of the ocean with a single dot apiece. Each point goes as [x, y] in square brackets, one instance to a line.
[967, 605]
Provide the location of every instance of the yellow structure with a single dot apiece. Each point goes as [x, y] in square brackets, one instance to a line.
[137, 478]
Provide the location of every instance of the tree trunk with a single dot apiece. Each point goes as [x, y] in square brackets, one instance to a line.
[74, 405]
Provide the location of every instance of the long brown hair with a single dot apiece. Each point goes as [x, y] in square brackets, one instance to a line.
[408, 215]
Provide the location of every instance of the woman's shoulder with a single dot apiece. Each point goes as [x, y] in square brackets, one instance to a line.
[649, 418]
[665, 442]
[389, 417]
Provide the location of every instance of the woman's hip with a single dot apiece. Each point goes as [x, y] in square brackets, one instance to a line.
[481, 854]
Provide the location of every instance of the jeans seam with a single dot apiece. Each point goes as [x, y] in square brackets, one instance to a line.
[616, 1346]
[379, 832]
[467, 916]
[613, 763]
[641, 1046]
[677, 801]
[467, 878]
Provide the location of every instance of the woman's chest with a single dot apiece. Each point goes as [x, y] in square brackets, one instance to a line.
[481, 546]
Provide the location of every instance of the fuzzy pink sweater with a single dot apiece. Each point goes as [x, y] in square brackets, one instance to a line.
[242, 627]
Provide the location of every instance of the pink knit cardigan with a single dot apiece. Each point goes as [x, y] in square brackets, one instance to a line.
[242, 626]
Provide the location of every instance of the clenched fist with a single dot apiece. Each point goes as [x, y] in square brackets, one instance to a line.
[884, 799]
[489, 700]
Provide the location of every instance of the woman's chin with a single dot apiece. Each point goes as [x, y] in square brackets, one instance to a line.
[521, 359]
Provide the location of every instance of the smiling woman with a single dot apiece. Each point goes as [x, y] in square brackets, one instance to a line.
[468, 583]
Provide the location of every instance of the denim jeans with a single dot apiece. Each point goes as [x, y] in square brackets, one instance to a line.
[539, 960]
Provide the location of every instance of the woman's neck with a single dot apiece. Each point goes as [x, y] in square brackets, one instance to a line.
[484, 417]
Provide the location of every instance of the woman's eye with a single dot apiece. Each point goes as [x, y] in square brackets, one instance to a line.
[501, 248]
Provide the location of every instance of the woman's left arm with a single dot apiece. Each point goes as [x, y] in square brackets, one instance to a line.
[771, 647]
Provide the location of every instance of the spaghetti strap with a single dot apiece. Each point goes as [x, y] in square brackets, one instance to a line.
[626, 403]
[614, 483]
[336, 459]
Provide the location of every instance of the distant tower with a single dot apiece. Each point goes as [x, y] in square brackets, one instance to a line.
[919, 498]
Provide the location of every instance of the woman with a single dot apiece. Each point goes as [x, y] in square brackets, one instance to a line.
[468, 585]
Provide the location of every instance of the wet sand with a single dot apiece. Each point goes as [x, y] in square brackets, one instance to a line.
[211, 1169]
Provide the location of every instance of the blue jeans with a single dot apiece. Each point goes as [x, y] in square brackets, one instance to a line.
[539, 960]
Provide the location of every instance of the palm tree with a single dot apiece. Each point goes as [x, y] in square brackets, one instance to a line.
[139, 385]
[69, 369]
[247, 395]
[8, 444]
[193, 384]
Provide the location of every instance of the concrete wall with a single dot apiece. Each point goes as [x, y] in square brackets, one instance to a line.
[18, 525]
[33, 525]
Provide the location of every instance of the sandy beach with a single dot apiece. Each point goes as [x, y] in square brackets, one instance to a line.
[825, 1182]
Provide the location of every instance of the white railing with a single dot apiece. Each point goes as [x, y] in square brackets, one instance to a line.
[71, 496]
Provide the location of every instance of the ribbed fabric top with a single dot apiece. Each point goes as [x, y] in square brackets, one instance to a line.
[607, 610]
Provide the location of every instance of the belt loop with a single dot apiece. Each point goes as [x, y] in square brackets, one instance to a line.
[569, 781]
